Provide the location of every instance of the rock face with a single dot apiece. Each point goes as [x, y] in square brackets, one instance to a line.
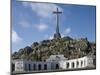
[57, 35]
[27, 50]
[67, 46]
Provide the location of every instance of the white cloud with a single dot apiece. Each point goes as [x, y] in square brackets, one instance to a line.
[15, 37]
[43, 10]
[62, 35]
[51, 37]
[24, 24]
[67, 30]
[46, 36]
[41, 27]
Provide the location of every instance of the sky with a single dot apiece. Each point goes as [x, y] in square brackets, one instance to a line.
[34, 22]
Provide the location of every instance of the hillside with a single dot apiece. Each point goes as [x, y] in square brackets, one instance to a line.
[69, 47]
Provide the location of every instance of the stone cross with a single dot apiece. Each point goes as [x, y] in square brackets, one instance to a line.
[57, 12]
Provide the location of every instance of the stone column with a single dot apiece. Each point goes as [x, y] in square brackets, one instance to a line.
[79, 66]
[70, 64]
[75, 63]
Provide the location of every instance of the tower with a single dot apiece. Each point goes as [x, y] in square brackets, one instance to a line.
[57, 34]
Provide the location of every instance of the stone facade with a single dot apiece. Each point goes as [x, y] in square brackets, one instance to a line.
[53, 63]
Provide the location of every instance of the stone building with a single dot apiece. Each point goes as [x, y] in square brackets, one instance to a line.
[54, 62]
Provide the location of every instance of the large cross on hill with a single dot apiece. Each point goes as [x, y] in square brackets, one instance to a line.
[57, 34]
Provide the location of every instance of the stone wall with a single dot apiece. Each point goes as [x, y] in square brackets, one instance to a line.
[74, 63]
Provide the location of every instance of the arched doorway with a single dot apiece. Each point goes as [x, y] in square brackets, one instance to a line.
[73, 65]
[77, 63]
[34, 66]
[45, 66]
[81, 63]
[29, 67]
[57, 66]
[39, 67]
[67, 65]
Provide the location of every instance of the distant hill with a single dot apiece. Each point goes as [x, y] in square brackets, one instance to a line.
[69, 47]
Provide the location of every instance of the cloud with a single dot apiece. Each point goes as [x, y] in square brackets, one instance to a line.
[51, 37]
[15, 37]
[62, 35]
[67, 30]
[43, 10]
[41, 27]
[24, 24]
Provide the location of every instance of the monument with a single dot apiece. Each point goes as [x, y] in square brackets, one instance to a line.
[57, 34]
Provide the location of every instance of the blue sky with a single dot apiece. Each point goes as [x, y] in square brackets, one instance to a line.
[33, 22]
